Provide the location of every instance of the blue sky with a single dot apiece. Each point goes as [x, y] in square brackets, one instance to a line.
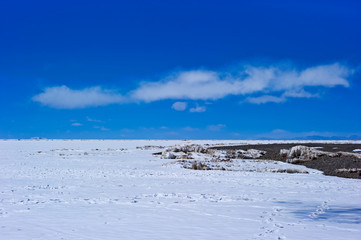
[180, 69]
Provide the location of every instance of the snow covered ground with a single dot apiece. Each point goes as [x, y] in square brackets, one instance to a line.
[94, 189]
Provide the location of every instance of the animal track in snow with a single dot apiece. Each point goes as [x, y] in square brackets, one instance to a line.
[320, 210]
[270, 227]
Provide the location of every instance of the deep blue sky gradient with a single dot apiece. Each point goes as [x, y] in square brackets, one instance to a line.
[118, 44]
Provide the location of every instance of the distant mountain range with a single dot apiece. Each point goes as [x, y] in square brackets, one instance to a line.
[317, 137]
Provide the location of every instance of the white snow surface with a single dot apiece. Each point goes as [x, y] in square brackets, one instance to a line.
[109, 189]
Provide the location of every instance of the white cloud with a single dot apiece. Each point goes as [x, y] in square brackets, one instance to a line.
[211, 85]
[190, 129]
[101, 128]
[217, 127]
[279, 79]
[299, 94]
[179, 106]
[76, 124]
[66, 98]
[288, 94]
[265, 99]
[278, 131]
[92, 120]
[198, 109]
[193, 85]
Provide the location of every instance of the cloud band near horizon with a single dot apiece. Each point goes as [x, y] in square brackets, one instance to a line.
[274, 84]
[62, 97]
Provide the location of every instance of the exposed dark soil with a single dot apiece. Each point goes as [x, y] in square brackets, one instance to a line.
[328, 165]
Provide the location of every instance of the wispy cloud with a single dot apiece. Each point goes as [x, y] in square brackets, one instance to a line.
[101, 128]
[195, 85]
[265, 99]
[275, 99]
[65, 98]
[76, 124]
[217, 127]
[198, 109]
[190, 129]
[212, 85]
[179, 106]
[274, 84]
[92, 120]
[300, 93]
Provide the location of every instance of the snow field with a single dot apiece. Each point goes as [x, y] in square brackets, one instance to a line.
[94, 189]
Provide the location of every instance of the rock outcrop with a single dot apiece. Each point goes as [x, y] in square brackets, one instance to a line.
[242, 154]
[184, 152]
[349, 170]
[298, 154]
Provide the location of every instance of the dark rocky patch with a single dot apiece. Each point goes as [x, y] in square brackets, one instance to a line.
[329, 165]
